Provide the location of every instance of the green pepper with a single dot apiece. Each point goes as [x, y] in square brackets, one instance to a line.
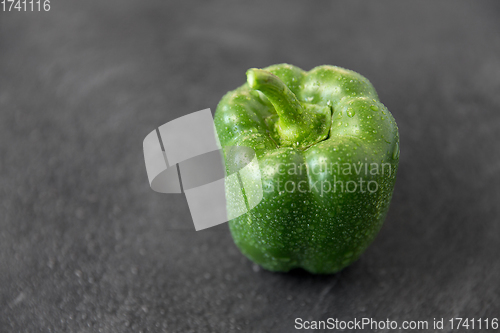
[328, 153]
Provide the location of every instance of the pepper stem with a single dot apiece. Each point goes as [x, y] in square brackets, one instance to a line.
[283, 99]
[299, 125]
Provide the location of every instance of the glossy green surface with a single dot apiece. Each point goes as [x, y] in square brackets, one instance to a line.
[316, 134]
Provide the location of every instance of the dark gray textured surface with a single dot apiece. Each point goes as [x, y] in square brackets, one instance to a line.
[86, 246]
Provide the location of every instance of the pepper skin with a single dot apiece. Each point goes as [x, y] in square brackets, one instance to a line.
[316, 134]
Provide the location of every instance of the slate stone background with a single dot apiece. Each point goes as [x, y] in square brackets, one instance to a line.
[87, 246]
